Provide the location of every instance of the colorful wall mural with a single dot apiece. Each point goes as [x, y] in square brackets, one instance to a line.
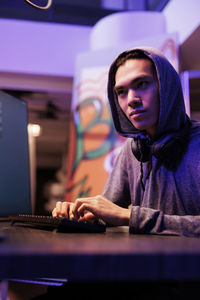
[93, 137]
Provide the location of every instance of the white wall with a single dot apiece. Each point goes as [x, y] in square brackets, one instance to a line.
[51, 49]
[182, 16]
[118, 28]
[41, 48]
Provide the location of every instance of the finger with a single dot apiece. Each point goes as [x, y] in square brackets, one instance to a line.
[77, 212]
[77, 203]
[84, 204]
[89, 217]
[71, 215]
[54, 212]
[82, 209]
[58, 207]
[64, 209]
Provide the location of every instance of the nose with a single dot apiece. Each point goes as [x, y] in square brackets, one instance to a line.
[133, 98]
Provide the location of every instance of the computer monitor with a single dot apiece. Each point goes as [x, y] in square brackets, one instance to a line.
[14, 157]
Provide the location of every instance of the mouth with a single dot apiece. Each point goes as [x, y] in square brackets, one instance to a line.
[136, 113]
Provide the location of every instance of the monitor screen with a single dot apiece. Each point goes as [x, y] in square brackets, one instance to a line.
[14, 157]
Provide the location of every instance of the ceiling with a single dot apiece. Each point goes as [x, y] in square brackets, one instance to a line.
[80, 12]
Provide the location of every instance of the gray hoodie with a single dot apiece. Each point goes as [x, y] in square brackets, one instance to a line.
[164, 189]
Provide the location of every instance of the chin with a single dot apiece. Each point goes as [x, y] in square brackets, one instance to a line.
[142, 126]
[139, 126]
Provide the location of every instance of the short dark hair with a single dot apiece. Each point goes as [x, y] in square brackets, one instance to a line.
[130, 55]
[136, 54]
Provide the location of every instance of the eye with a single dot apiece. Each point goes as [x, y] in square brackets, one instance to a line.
[143, 84]
[121, 92]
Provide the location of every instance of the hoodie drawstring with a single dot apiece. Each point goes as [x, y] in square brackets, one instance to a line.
[141, 176]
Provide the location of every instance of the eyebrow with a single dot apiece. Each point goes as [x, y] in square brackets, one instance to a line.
[135, 80]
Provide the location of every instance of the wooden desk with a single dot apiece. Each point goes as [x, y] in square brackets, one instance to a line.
[114, 255]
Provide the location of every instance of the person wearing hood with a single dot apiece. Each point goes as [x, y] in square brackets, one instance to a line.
[154, 186]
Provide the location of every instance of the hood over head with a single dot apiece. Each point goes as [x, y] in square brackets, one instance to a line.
[172, 114]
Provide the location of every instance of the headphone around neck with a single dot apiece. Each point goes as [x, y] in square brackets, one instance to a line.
[168, 147]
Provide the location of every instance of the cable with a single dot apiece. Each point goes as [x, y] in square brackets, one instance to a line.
[40, 7]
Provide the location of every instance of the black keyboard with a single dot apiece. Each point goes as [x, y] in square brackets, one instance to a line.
[61, 224]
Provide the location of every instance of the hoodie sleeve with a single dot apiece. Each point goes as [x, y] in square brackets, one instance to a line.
[150, 221]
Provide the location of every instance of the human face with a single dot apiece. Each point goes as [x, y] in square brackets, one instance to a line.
[136, 86]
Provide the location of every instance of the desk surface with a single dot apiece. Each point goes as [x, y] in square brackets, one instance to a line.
[114, 255]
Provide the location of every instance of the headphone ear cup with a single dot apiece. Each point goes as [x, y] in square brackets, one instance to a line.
[141, 150]
[161, 147]
[168, 148]
[171, 147]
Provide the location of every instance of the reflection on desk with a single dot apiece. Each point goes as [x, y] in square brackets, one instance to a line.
[114, 255]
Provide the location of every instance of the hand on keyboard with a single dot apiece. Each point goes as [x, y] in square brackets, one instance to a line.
[94, 208]
[65, 209]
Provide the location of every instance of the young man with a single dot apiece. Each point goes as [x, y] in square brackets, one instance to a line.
[154, 186]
